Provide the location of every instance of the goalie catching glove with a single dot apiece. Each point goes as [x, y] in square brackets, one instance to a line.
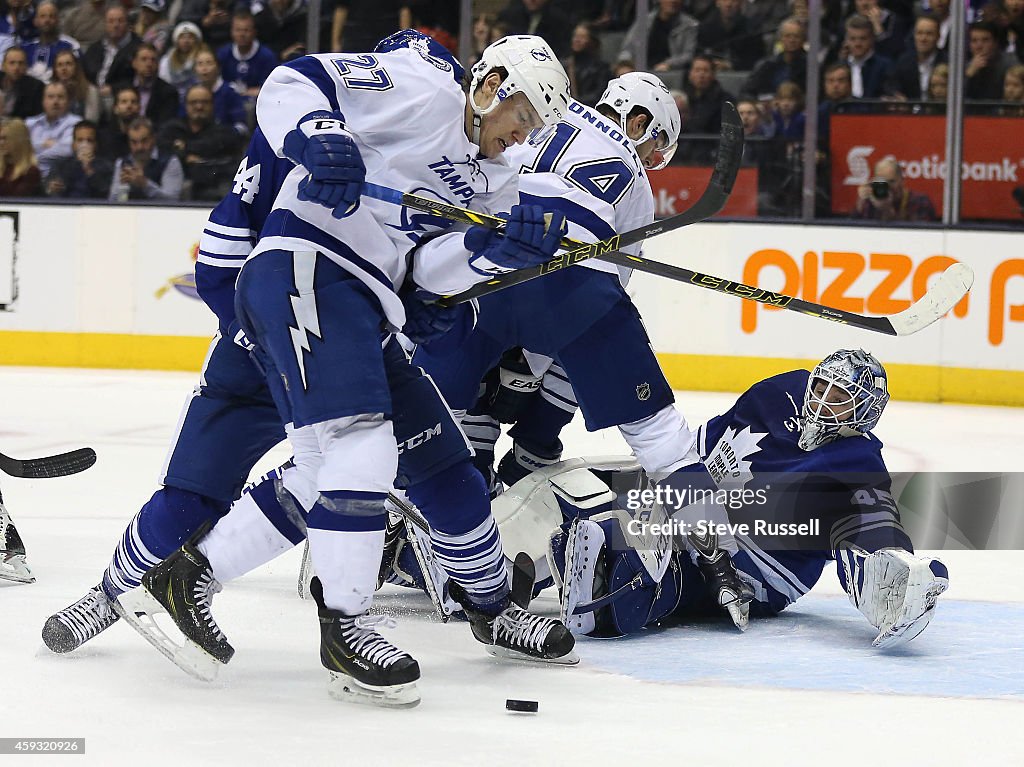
[894, 589]
[529, 238]
[320, 144]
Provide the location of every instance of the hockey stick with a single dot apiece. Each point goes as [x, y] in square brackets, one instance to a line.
[944, 294]
[50, 466]
[730, 152]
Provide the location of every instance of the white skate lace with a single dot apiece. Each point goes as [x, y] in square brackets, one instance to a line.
[206, 586]
[361, 635]
[521, 629]
[88, 616]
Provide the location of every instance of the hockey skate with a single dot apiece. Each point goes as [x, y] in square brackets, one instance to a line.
[13, 566]
[517, 634]
[182, 588]
[724, 583]
[364, 667]
[76, 624]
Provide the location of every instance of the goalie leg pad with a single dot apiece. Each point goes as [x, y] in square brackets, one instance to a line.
[627, 595]
[584, 543]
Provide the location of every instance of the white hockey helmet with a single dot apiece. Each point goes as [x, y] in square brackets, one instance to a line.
[642, 89]
[532, 69]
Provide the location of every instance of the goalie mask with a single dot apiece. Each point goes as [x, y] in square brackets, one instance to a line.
[641, 89]
[531, 69]
[845, 396]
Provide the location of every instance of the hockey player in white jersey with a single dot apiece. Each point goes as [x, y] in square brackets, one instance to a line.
[582, 317]
[315, 305]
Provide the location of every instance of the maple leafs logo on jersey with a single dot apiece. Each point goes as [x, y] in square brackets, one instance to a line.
[727, 463]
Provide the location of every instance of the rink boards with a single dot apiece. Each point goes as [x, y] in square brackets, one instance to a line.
[110, 287]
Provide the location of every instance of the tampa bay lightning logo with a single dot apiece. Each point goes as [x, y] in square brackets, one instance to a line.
[476, 173]
[464, 178]
[540, 54]
[415, 224]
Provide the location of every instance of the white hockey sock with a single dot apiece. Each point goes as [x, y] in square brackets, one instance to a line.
[347, 563]
[242, 541]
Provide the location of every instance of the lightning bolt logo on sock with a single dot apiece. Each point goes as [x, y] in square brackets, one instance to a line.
[304, 309]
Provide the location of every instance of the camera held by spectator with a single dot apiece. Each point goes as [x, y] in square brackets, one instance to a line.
[886, 198]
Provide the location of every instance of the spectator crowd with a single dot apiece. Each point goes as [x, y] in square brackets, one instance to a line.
[109, 102]
[138, 99]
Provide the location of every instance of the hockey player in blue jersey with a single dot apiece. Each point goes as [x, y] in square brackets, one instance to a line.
[805, 425]
[230, 242]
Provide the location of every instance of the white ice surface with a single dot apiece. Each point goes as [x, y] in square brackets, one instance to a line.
[805, 688]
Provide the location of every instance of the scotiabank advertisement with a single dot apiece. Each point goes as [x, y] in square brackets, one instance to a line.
[993, 160]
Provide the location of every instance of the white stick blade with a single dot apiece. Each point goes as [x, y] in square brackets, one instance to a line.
[943, 295]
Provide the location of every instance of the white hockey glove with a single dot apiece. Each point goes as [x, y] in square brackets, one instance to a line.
[894, 589]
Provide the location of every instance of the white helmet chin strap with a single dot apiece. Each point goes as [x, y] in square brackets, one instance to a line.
[479, 113]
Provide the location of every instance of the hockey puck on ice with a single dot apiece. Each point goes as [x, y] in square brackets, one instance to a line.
[525, 706]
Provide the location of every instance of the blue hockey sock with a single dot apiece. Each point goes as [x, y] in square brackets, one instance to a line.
[465, 539]
[160, 527]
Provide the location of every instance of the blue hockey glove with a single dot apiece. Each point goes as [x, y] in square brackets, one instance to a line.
[527, 240]
[428, 323]
[321, 145]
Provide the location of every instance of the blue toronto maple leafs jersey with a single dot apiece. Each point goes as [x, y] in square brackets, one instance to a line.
[231, 231]
[755, 442]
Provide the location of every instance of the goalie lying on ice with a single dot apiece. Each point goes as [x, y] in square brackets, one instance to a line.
[619, 570]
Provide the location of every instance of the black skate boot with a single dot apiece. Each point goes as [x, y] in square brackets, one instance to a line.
[76, 624]
[364, 667]
[182, 586]
[517, 633]
[722, 579]
[520, 462]
[13, 566]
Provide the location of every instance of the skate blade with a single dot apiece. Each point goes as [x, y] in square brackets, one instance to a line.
[305, 574]
[14, 568]
[343, 687]
[139, 608]
[569, 659]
